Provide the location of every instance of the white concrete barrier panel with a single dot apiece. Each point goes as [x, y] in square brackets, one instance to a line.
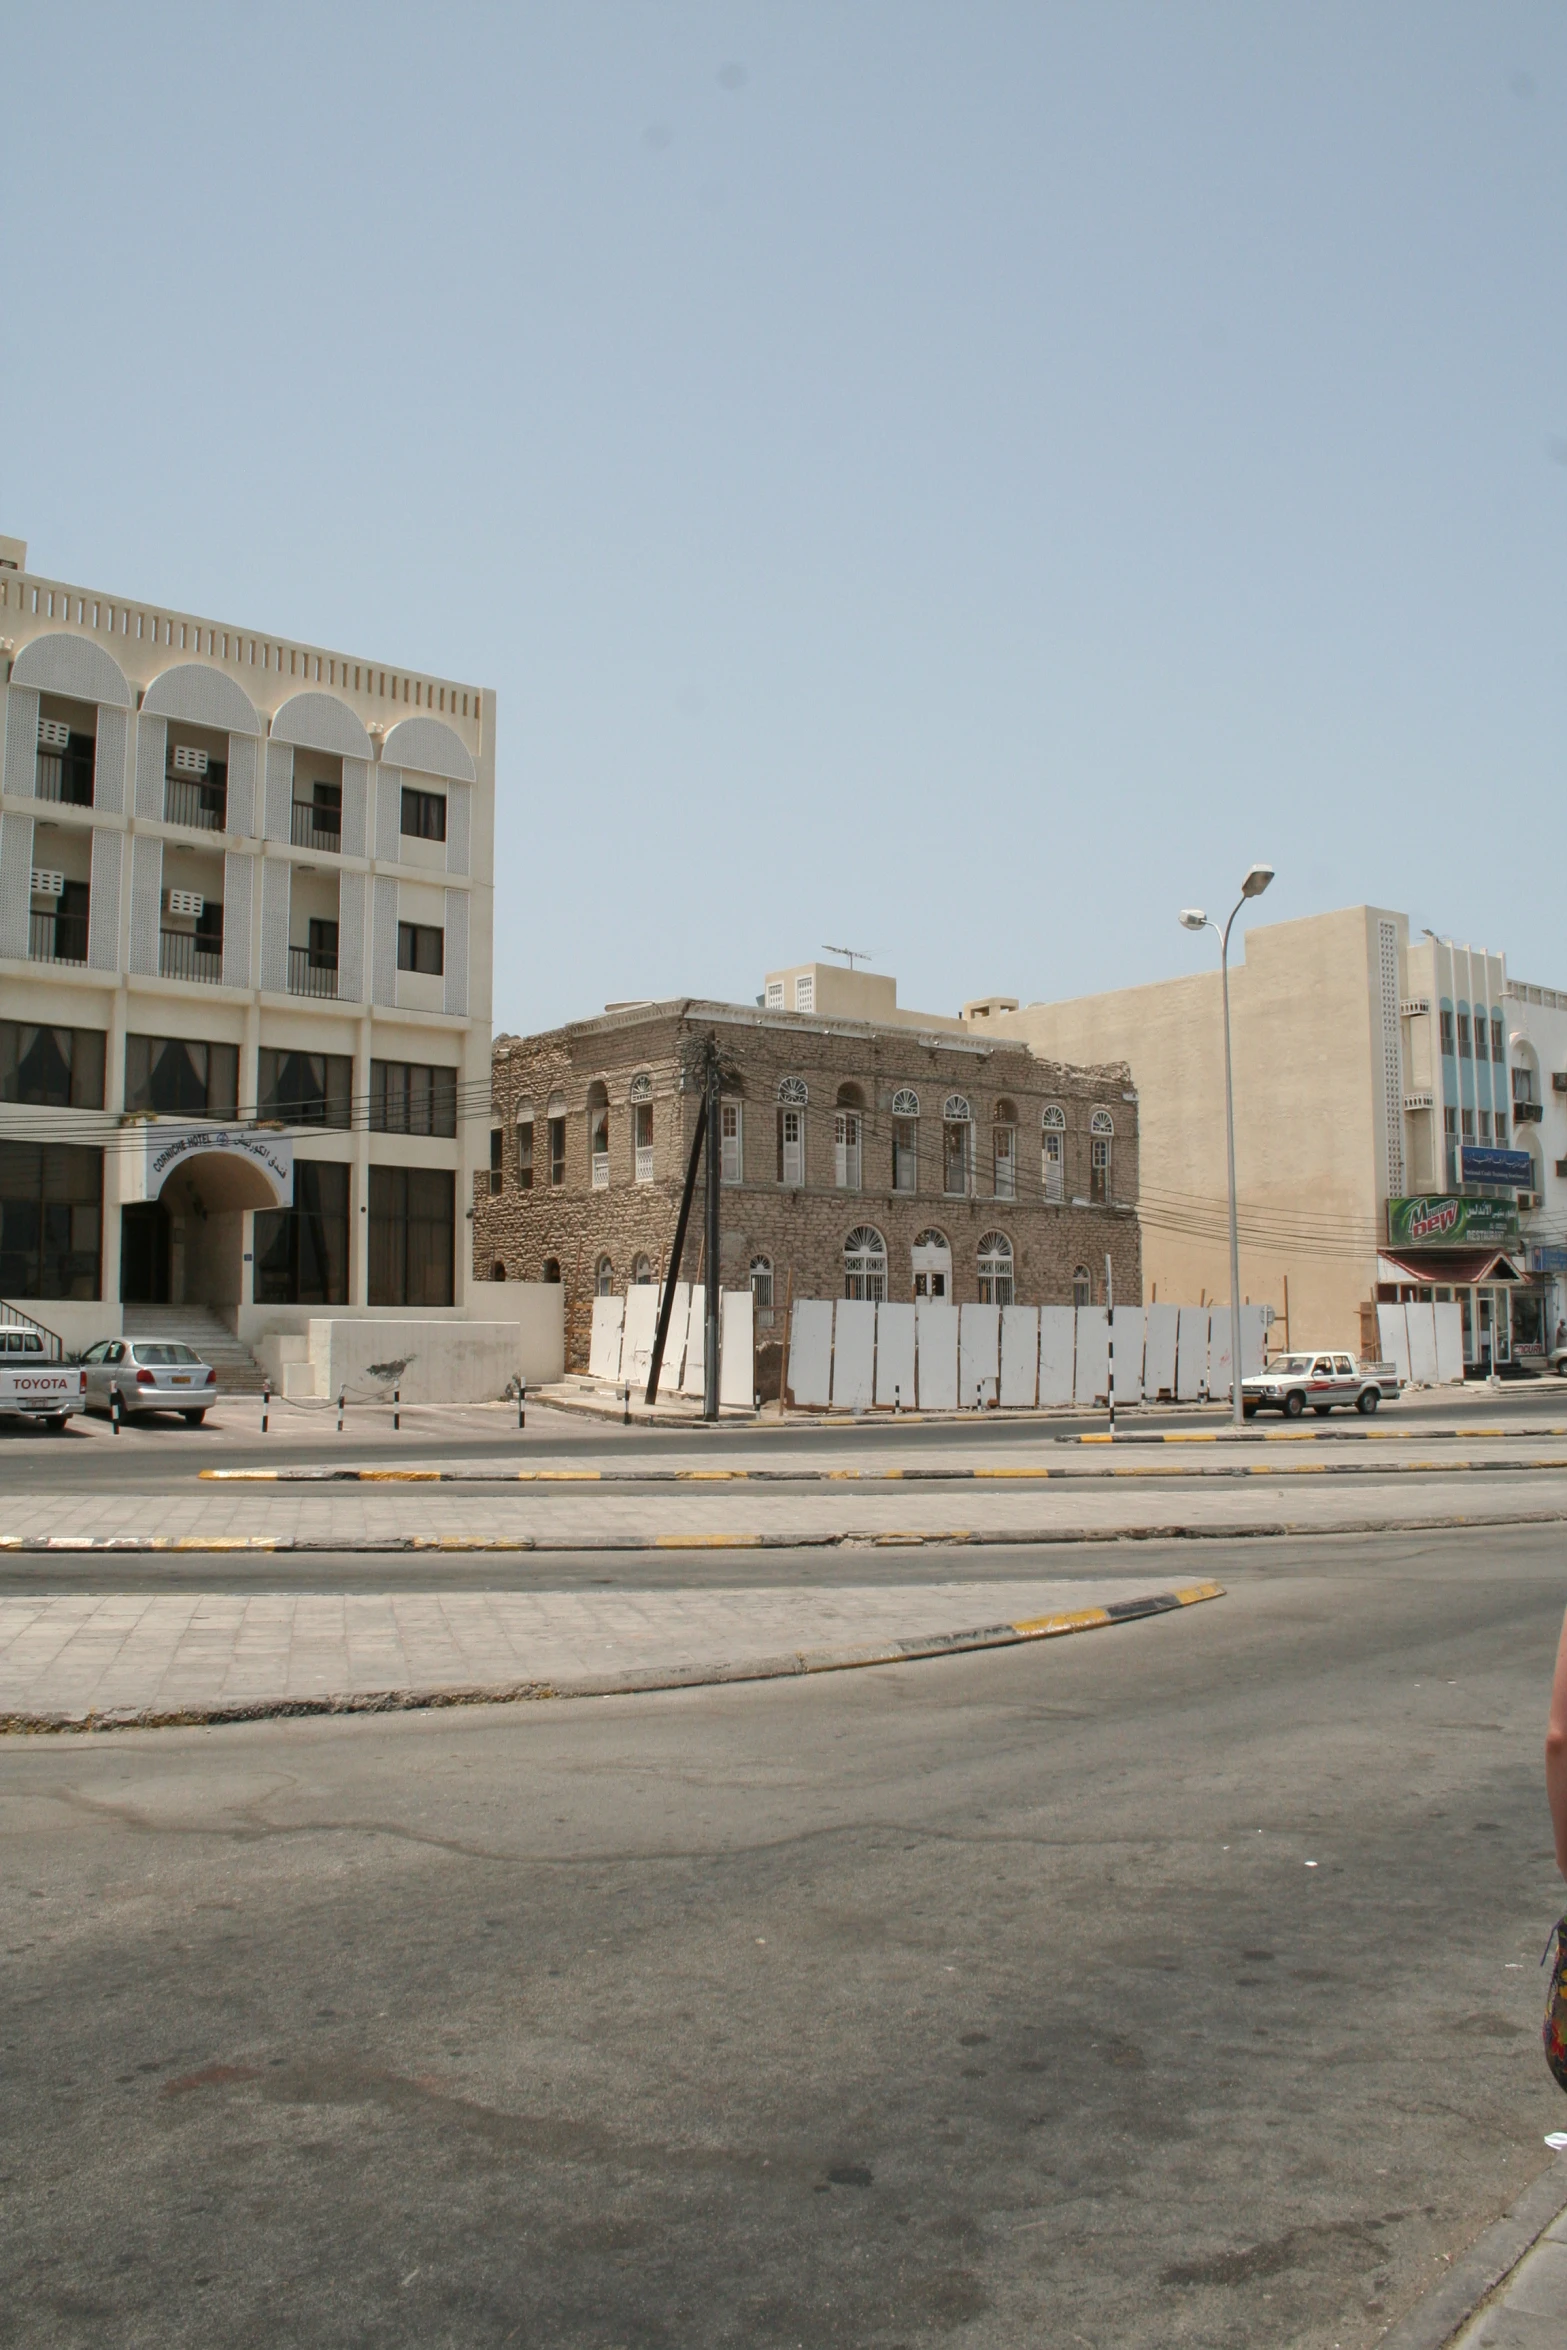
[810, 1353]
[737, 1351]
[609, 1316]
[1159, 1351]
[1093, 1355]
[1191, 1360]
[895, 1356]
[936, 1346]
[853, 1354]
[1129, 1335]
[979, 1354]
[1057, 1353]
[1449, 1319]
[1019, 1356]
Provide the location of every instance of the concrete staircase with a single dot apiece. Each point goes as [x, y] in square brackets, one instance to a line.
[197, 1326]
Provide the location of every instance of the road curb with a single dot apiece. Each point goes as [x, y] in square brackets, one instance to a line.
[549, 1478]
[1473, 2278]
[636, 1680]
[890, 1538]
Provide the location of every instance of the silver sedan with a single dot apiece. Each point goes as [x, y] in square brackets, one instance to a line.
[149, 1375]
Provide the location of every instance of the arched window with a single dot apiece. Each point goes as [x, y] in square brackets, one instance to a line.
[762, 1284]
[1052, 1151]
[498, 1271]
[905, 1139]
[1004, 1149]
[598, 1133]
[1101, 1126]
[731, 1128]
[550, 1270]
[556, 1117]
[995, 1270]
[865, 1263]
[932, 1264]
[640, 1096]
[957, 1146]
[641, 1271]
[525, 1146]
[1082, 1287]
[793, 1095]
[604, 1277]
[848, 1138]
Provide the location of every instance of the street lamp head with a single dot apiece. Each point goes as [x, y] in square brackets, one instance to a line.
[1256, 881]
[1193, 918]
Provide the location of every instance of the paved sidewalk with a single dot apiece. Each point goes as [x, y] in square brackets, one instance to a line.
[1509, 2290]
[101, 1662]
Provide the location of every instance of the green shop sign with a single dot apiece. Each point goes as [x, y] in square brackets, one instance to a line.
[1446, 1222]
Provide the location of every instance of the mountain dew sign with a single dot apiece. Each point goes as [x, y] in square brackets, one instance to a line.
[1447, 1222]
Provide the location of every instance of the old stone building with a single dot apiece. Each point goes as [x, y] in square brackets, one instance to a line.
[859, 1158]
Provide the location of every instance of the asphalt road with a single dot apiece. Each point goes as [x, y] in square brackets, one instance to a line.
[987, 2001]
[161, 1451]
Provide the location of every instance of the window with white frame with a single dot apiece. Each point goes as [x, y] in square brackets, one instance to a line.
[792, 1098]
[865, 1263]
[1052, 1151]
[731, 1157]
[775, 1002]
[525, 1146]
[1101, 1130]
[805, 993]
[957, 1146]
[848, 1138]
[598, 1134]
[641, 1271]
[995, 1270]
[762, 1284]
[905, 1139]
[604, 1277]
[931, 1264]
[1004, 1151]
[1082, 1287]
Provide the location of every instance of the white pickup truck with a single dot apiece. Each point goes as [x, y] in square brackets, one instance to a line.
[32, 1385]
[1324, 1382]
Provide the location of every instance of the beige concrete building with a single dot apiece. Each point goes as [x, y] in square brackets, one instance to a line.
[245, 926]
[1369, 1070]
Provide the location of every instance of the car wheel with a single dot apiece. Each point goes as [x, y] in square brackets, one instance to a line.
[1248, 1411]
[1322, 1410]
[1368, 1402]
[55, 1423]
[1294, 1405]
[193, 1419]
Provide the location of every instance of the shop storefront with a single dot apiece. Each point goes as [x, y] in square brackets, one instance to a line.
[1465, 1252]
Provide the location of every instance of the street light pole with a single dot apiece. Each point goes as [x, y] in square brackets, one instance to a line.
[1192, 918]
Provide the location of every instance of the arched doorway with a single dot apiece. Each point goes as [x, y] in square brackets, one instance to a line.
[932, 1264]
[182, 1242]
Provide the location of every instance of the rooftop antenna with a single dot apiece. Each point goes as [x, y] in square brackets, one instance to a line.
[851, 955]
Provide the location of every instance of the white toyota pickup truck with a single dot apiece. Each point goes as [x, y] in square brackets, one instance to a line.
[32, 1386]
[1322, 1381]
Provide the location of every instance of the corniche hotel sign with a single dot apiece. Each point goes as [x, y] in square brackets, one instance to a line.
[272, 1155]
[1439, 1223]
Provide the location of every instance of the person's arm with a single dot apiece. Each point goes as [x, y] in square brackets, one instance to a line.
[1556, 1754]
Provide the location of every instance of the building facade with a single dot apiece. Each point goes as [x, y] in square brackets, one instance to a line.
[857, 1158]
[1383, 1144]
[245, 925]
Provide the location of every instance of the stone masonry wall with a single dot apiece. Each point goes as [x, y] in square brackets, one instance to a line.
[571, 1228]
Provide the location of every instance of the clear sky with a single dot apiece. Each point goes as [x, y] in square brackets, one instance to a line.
[957, 481]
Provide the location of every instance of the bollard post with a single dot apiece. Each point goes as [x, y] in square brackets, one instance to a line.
[341, 1397]
[114, 1409]
[522, 1398]
[266, 1403]
[897, 1401]
[625, 1406]
[397, 1409]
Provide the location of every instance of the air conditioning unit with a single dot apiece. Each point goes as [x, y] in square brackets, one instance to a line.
[48, 885]
[1416, 1008]
[1561, 1166]
[1531, 1199]
[1559, 1081]
[189, 762]
[1528, 1113]
[1417, 1101]
[184, 901]
[53, 735]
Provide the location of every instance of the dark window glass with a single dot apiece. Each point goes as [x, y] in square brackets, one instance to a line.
[557, 1150]
[52, 1068]
[424, 814]
[304, 1089]
[420, 947]
[525, 1155]
[323, 945]
[408, 1097]
[412, 1235]
[1463, 1036]
[302, 1251]
[176, 1077]
[1446, 1020]
[51, 1220]
[497, 1164]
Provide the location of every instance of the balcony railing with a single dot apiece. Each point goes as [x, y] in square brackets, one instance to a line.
[601, 1170]
[57, 938]
[62, 778]
[181, 955]
[644, 1165]
[311, 827]
[310, 977]
[204, 806]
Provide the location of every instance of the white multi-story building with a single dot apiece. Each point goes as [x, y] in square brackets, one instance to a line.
[245, 933]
